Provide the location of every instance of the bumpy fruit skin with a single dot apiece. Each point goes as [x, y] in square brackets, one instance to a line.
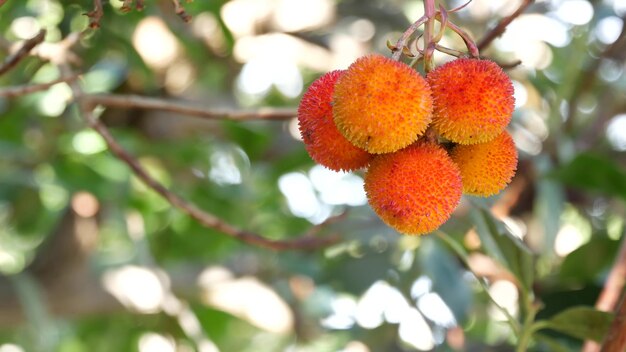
[472, 100]
[381, 105]
[415, 189]
[322, 140]
[486, 168]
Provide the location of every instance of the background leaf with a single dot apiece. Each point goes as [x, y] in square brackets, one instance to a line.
[582, 322]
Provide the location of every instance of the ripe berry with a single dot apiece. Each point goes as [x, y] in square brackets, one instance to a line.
[472, 100]
[415, 189]
[381, 105]
[322, 140]
[486, 168]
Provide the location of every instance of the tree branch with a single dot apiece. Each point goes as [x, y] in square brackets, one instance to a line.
[2, 2]
[497, 31]
[16, 91]
[19, 55]
[180, 11]
[615, 339]
[607, 301]
[208, 220]
[95, 15]
[135, 101]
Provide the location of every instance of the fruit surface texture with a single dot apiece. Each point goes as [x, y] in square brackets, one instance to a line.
[414, 190]
[381, 105]
[321, 138]
[486, 168]
[472, 100]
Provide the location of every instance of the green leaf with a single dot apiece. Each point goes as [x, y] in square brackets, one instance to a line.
[549, 204]
[589, 261]
[582, 322]
[551, 344]
[594, 173]
[507, 249]
[447, 277]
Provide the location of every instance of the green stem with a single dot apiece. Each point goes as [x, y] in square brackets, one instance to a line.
[530, 326]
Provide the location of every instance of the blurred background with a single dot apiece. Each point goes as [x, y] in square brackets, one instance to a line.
[93, 260]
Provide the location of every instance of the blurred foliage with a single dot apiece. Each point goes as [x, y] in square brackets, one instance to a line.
[374, 291]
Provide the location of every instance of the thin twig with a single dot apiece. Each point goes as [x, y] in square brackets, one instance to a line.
[180, 11]
[608, 299]
[126, 6]
[401, 43]
[16, 91]
[497, 31]
[469, 43]
[615, 282]
[28, 45]
[206, 219]
[2, 2]
[615, 339]
[136, 101]
[95, 15]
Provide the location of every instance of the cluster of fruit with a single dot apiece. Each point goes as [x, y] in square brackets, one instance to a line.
[424, 141]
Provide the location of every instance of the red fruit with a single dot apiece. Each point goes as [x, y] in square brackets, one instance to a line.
[322, 140]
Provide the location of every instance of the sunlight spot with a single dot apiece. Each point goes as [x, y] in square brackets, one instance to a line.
[576, 12]
[526, 141]
[224, 169]
[520, 94]
[354, 346]
[532, 28]
[9, 347]
[294, 129]
[54, 100]
[505, 294]
[137, 288]
[608, 29]
[155, 43]
[207, 27]
[11, 262]
[611, 70]
[421, 286]
[515, 226]
[435, 309]
[153, 342]
[88, 142]
[616, 132]
[301, 198]
[299, 15]
[251, 300]
[25, 27]
[179, 76]
[243, 16]
[259, 75]
[85, 204]
[415, 331]
[53, 197]
[619, 6]
[362, 29]
[568, 239]
[381, 302]
[615, 227]
[342, 318]
[337, 188]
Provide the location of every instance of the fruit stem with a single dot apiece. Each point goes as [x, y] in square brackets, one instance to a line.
[398, 49]
[429, 29]
[471, 46]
